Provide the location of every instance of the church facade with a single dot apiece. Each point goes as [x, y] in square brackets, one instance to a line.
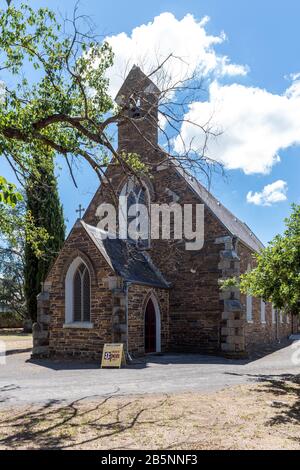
[154, 296]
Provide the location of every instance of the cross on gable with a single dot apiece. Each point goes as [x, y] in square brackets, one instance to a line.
[80, 210]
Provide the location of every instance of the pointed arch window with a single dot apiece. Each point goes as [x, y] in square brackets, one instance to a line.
[78, 295]
[138, 214]
[81, 293]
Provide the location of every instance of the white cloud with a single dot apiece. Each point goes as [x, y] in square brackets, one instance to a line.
[272, 193]
[254, 124]
[149, 44]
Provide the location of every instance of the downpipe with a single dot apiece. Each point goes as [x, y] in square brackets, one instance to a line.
[128, 356]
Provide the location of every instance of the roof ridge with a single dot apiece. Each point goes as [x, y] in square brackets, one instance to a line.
[237, 219]
[209, 199]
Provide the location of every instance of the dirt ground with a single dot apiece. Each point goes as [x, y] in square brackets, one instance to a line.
[263, 416]
[16, 340]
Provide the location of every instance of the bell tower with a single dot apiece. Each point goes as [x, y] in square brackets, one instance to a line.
[138, 126]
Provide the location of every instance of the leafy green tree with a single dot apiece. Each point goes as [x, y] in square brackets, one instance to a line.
[12, 241]
[65, 106]
[19, 229]
[8, 193]
[55, 95]
[276, 277]
[45, 211]
[12, 280]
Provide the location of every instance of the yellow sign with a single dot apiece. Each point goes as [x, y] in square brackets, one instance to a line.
[113, 355]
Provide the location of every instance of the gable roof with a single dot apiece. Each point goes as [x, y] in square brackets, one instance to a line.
[234, 225]
[125, 259]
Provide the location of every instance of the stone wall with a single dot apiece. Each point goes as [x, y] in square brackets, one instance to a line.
[195, 307]
[40, 329]
[52, 337]
[233, 314]
[65, 340]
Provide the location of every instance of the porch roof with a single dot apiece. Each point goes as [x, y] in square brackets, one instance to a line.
[126, 260]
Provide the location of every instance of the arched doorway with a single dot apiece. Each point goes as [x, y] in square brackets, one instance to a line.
[152, 326]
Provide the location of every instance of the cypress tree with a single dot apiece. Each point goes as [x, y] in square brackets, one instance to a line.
[46, 213]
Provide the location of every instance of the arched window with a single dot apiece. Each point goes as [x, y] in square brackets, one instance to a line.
[138, 215]
[78, 294]
[81, 294]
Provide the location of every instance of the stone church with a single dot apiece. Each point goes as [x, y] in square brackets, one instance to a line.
[154, 297]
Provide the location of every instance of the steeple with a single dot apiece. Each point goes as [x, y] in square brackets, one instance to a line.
[138, 97]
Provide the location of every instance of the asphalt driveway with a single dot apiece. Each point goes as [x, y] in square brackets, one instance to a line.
[23, 381]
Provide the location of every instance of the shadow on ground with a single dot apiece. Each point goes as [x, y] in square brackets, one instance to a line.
[10, 352]
[160, 359]
[5, 389]
[79, 423]
[280, 386]
[138, 363]
[117, 422]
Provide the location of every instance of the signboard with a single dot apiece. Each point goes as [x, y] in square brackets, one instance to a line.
[113, 355]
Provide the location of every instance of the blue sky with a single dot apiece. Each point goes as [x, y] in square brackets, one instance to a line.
[260, 35]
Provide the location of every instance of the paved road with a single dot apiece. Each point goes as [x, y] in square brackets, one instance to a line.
[23, 381]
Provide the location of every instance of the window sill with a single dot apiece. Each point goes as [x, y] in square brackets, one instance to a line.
[83, 325]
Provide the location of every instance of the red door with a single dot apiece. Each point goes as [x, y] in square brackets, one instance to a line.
[150, 328]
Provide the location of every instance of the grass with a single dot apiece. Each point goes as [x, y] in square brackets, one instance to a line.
[263, 416]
